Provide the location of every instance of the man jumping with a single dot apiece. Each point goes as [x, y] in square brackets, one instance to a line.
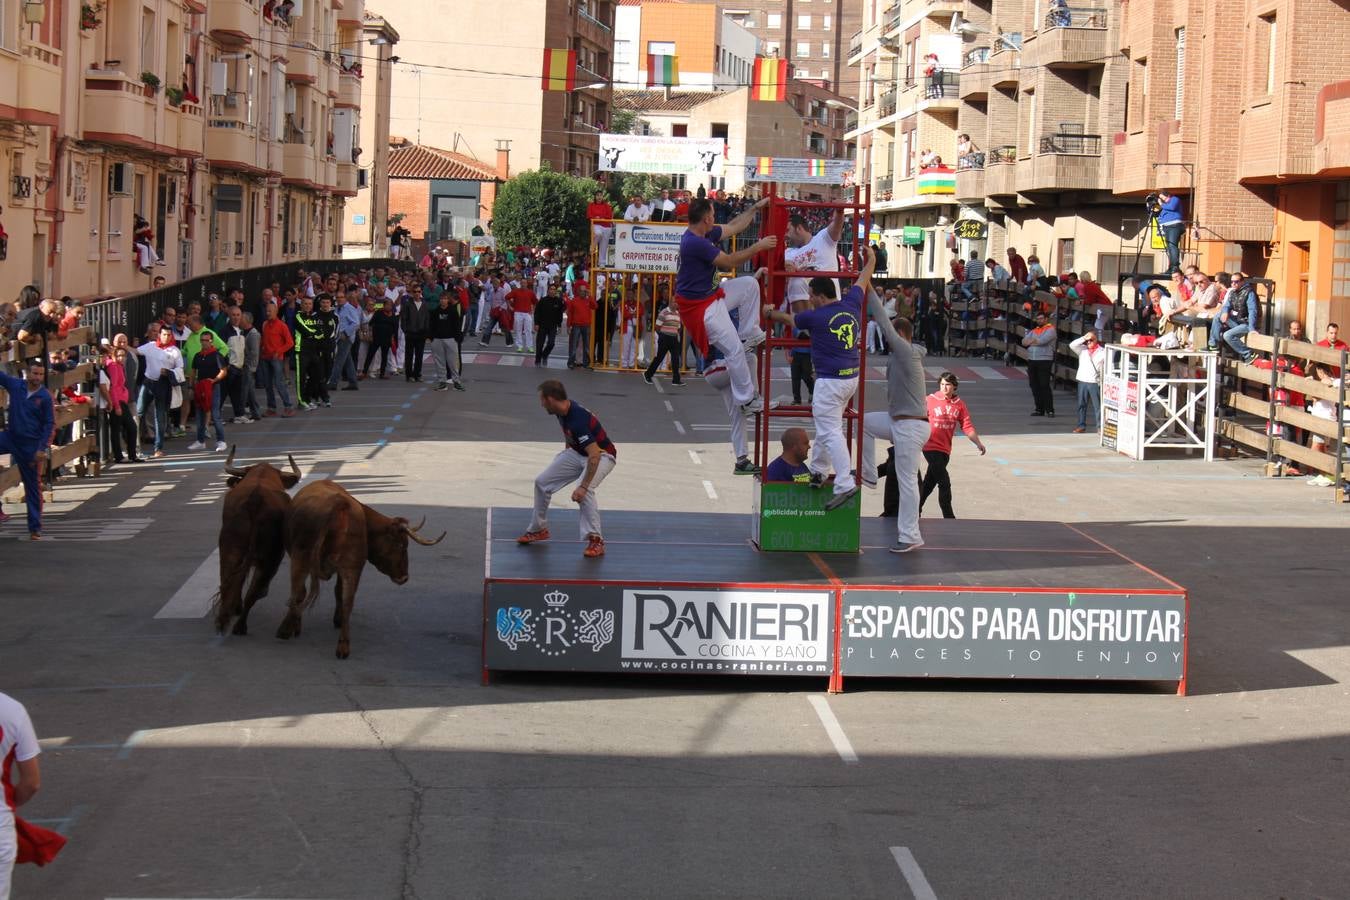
[588, 452]
[704, 309]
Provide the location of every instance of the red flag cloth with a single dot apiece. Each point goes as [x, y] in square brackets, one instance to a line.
[202, 391]
[36, 844]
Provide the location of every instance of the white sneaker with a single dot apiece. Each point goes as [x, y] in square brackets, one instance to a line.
[1321, 481]
[220, 447]
[753, 405]
[754, 340]
[196, 445]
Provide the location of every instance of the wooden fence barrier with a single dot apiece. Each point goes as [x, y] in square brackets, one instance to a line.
[83, 442]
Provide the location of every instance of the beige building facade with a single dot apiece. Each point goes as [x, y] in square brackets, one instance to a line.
[230, 129]
[366, 215]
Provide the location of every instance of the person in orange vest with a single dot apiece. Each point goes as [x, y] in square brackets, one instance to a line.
[1040, 344]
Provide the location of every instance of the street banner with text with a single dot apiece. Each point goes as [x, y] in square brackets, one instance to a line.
[661, 155]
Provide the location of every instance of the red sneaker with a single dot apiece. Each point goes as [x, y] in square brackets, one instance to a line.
[595, 546]
[531, 537]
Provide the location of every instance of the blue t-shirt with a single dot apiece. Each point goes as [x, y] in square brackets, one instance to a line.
[581, 429]
[782, 470]
[698, 267]
[1170, 214]
[836, 332]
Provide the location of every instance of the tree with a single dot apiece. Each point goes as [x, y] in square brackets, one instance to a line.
[622, 121]
[543, 208]
[644, 183]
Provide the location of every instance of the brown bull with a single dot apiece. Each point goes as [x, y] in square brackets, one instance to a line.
[328, 532]
[252, 530]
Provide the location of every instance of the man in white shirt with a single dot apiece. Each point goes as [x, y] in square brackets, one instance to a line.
[541, 281]
[18, 751]
[810, 253]
[638, 210]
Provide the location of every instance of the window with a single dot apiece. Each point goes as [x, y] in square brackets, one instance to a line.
[824, 51]
[661, 48]
[826, 23]
[679, 129]
[800, 73]
[623, 50]
[772, 48]
[1065, 255]
[774, 20]
[1110, 265]
[804, 22]
[1340, 248]
[803, 50]
[1178, 106]
[1029, 125]
[148, 62]
[718, 130]
[1270, 35]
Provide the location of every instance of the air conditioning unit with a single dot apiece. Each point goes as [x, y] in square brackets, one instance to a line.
[362, 179]
[231, 101]
[121, 177]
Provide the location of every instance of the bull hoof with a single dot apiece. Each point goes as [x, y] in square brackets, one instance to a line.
[287, 629]
[344, 650]
[240, 628]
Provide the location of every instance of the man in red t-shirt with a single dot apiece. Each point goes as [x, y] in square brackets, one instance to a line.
[599, 212]
[580, 314]
[1333, 342]
[522, 304]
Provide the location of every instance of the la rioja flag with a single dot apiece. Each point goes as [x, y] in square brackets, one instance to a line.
[663, 71]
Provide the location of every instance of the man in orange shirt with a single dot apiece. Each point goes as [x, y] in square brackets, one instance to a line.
[580, 314]
[599, 212]
[1333, 342]
[522, 302]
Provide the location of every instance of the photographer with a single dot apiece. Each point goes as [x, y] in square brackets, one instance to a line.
[1167, 207]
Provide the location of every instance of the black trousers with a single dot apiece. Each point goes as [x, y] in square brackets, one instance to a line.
[1039, 374]
[890, 490]
[371, 349]
[802, 372]
[313, 387]
[666, 345]
[412, 356]
[937, 477]
[543, 345]
[122, 427]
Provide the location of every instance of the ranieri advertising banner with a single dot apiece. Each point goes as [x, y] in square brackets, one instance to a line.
[594, 628]
[1140, 637]
[648, 246]
[662, 155]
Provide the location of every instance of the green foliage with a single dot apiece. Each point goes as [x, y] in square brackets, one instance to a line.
[644, 183]
[622, 121]
[543, 208]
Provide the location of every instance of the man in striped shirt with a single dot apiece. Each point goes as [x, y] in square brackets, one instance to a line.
[667, 341]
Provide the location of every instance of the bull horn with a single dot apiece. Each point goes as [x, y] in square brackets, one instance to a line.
[418, 526]
[231, 468]
[425, 542]
[294, 467]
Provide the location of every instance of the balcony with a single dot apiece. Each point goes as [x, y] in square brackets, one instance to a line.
[298, 165]
[891, 18]
[39, 78]
[1005, 61]
[328, 172]
[1064, 161]
[349, 91]
[1000, 171]
[851, 120]
[941, 90]
[191, 129]
[974, 83]
[855, 45]
[883, 189]
[1072, 38]
[231, 142]
[117, 110]
[943, 9]
[886, 104]
[346, 179]
[351, 13]
[970, 177]
[233, 21]
[590, 21]
[1132, 162]
[1331, 152]
[303, 67]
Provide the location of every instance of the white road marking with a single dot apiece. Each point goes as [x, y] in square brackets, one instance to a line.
[670, 408]
[909, 867]
[709, 490]
[834, 730]
[193, 599]
[693, 455]
[657, 385]
[680, 428]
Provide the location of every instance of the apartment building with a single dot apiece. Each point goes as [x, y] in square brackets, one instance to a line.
[812, 34]
[714, 52]
[231, 130]
[1244, 108]
[463, 89]
[366, 216]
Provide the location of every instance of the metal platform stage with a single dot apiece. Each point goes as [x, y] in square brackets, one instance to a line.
[688, 593]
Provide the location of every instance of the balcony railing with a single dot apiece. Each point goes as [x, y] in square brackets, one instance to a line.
[1009, 40]
[850, 121]
[978, 56]
[972, 160]
[1075, 17]
[884, 188]
[1001, 156]
[941, 84]
[1070, 144]
[589, 75]
[581, 11]
[886, 105]
[855, 44]
[892, 17]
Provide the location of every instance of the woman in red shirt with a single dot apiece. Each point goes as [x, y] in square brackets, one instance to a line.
[945, 411]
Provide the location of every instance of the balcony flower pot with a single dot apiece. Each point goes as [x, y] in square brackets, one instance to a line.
[89, 16]
[151, 82]
[174, 96]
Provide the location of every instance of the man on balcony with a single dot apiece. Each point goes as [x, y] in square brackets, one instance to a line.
[1172, 225]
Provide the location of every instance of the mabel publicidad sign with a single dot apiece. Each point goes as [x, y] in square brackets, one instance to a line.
[595, 628]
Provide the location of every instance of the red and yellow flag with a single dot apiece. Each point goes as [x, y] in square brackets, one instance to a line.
[560, 70]
[770, 80]
[662, 70]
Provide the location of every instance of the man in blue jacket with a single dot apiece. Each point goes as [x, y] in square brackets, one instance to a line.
[31, 423]
[1172, 226]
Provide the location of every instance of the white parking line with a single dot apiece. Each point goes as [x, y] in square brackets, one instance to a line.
[670, 408]
[709, 490]
[909, 867]
[193, 599]
[697, 460]
[680, 427]
[834, 730]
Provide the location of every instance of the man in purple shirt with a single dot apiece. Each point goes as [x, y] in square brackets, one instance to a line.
[836, 354]
[704, 308]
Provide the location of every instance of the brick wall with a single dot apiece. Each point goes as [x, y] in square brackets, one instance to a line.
[413, 198]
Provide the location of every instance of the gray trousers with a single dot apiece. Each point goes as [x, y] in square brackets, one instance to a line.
[445, 358]
[567, 467]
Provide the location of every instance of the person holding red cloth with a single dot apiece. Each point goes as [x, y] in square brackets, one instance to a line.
[580, 314]
[20, 841]
[521, 300]
[600, 213]
[945, 412]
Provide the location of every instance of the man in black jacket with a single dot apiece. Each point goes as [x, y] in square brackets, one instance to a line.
[416, 318]
[311, 376]
[383, 328]
[446, 330]
[548, 316]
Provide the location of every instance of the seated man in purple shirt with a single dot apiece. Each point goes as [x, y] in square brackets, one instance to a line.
[791, 463]
[704, 308]
[836, 355]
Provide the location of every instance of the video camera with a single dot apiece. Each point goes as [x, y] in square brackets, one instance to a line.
[1153, 204]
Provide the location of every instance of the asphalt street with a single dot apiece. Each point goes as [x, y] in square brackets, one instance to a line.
[184, 764]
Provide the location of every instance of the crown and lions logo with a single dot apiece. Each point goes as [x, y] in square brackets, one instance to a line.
[557, 630]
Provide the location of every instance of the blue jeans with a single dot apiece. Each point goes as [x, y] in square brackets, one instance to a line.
[160, 395]
[215, 416]
[1172, 232]
[343, 364]
[273, 374]
[1089, 398]
[1233, 336]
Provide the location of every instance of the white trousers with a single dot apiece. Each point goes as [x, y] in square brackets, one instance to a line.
[8, 851]
[828, 401]
[445, 358]
[484, 315]
[737, 424]
[523, 326]
[743, 296]
[568, 466]
[908, 436]
[604, 253]
[628, 345]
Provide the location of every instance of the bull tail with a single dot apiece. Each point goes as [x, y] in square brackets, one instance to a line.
[313, 555]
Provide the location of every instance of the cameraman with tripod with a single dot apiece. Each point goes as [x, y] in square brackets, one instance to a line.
[1167, 208]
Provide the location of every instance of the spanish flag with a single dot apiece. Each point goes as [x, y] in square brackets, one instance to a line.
[663, 71]
[765, 165]
[770, 79]
[560, 70]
